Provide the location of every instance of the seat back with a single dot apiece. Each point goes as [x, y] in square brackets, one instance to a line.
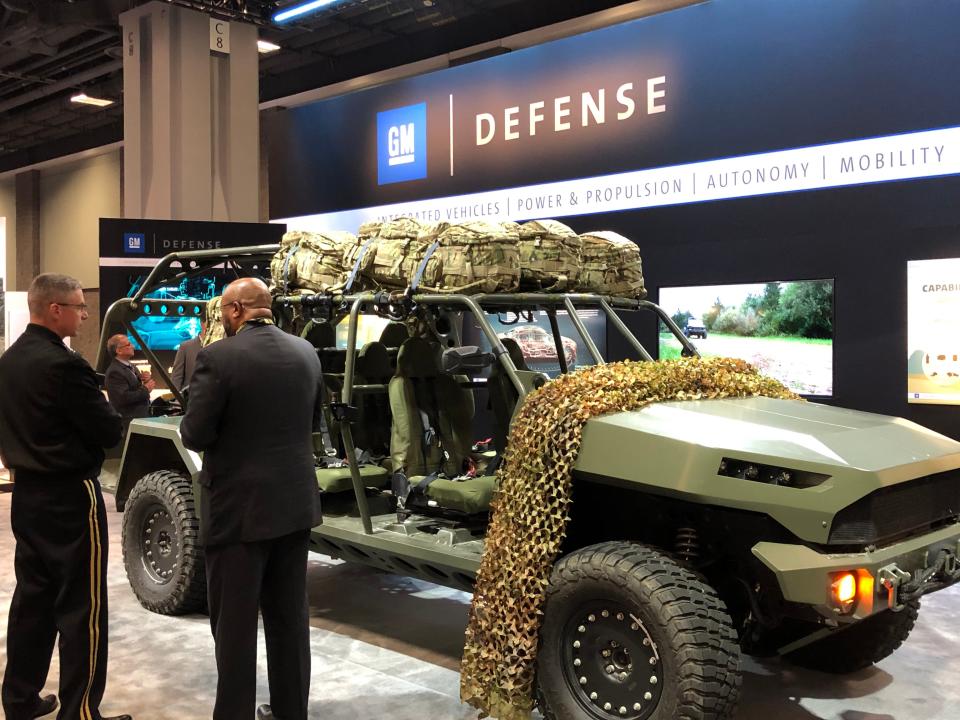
[503, 395]
[372, 431]
[432, 414]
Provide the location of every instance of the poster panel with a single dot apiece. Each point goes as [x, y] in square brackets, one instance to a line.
[933, 331]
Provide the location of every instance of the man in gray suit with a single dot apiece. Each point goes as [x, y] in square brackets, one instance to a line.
[254, 403]
[186, 360]
[127, 388]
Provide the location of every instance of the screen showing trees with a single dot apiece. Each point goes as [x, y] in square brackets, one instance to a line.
[784, 328]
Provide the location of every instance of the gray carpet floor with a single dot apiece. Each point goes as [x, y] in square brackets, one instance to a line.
[387, 647]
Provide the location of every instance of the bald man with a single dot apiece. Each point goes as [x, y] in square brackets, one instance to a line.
[254, 404]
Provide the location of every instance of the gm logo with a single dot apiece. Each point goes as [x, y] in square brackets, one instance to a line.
[402, 144]
[134, 243]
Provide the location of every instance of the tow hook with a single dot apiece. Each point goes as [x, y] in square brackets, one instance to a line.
[891, 578]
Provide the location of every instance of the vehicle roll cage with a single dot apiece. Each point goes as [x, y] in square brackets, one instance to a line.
[333, 307]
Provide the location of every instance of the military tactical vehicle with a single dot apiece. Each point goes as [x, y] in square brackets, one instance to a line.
[699, 529]
[694, 327]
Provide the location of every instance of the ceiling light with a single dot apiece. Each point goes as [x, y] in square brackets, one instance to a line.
[85, 99]
[264, 47]
[301, 9]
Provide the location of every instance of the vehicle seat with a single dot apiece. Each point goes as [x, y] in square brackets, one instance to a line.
[394, 334]
[372, 431]
[423, 398]
[322, 335]
[337, 479]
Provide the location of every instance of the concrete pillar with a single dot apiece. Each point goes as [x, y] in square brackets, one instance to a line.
[28, 230]
[190, 117]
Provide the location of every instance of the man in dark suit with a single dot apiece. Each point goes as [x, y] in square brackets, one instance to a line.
[54, 425]
[254, 403]
[127, 389]
[186, 360]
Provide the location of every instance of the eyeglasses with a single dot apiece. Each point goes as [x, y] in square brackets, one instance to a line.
[82, 307]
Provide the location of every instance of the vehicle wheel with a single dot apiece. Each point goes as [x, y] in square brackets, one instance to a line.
[628, 633]
[161, 545]
[861, 645]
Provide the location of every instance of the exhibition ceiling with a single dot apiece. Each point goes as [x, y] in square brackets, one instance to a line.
[54, 50]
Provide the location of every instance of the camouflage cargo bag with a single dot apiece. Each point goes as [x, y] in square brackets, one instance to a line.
[310, 261]
[472, 257]
[396, 249]
[214, 329]
[610, 265]
[549, 256]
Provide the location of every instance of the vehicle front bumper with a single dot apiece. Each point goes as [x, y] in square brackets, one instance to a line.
[887, 577]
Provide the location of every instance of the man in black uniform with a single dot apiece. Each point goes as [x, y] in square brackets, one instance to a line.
[254, 402]
[54, 424]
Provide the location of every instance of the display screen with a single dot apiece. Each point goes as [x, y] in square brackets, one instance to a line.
[784, 328]
[165, 331]
[532, 332]
[933, 331]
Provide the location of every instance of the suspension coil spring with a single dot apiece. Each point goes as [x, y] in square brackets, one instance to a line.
[687, 544]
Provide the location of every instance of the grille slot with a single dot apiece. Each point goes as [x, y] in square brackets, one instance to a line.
[894, 512]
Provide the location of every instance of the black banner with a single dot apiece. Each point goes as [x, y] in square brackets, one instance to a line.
[710, 81]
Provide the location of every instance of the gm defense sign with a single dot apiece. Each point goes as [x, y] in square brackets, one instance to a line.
[402, 144]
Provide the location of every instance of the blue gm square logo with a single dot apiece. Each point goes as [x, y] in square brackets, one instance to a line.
[134, 243]
[402, 144]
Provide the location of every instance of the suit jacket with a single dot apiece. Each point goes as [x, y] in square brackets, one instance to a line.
[54, 421]
[126, 391]
[254, 404]
[184, 363]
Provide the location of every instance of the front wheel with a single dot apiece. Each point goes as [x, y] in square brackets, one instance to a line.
[629, 633]
[161, 545]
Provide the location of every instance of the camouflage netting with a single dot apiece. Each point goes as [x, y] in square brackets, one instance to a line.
[530, 510]
[214, 329]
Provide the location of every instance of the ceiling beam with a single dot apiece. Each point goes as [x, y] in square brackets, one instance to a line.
[65, 84]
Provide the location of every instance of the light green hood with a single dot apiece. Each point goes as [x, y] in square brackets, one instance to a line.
[791, 429]
[675, 449]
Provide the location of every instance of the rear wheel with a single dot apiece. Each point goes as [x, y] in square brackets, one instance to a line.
[161, 545]
[861, 645]
[628, 633]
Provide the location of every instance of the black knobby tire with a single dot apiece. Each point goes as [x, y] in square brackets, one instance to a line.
[664, 622]
[861, 645]
[161, 544]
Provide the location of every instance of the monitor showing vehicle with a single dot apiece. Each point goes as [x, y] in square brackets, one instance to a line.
[531, 330]
[167, 330]
[784, 328]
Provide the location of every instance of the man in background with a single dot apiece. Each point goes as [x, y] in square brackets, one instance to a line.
[254, 403]
[186, 359]
[54, 425]
[127, 388]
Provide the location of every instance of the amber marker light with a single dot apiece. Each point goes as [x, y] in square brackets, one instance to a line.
[843, 590]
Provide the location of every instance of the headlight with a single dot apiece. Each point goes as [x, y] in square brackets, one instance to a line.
[769, 474]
